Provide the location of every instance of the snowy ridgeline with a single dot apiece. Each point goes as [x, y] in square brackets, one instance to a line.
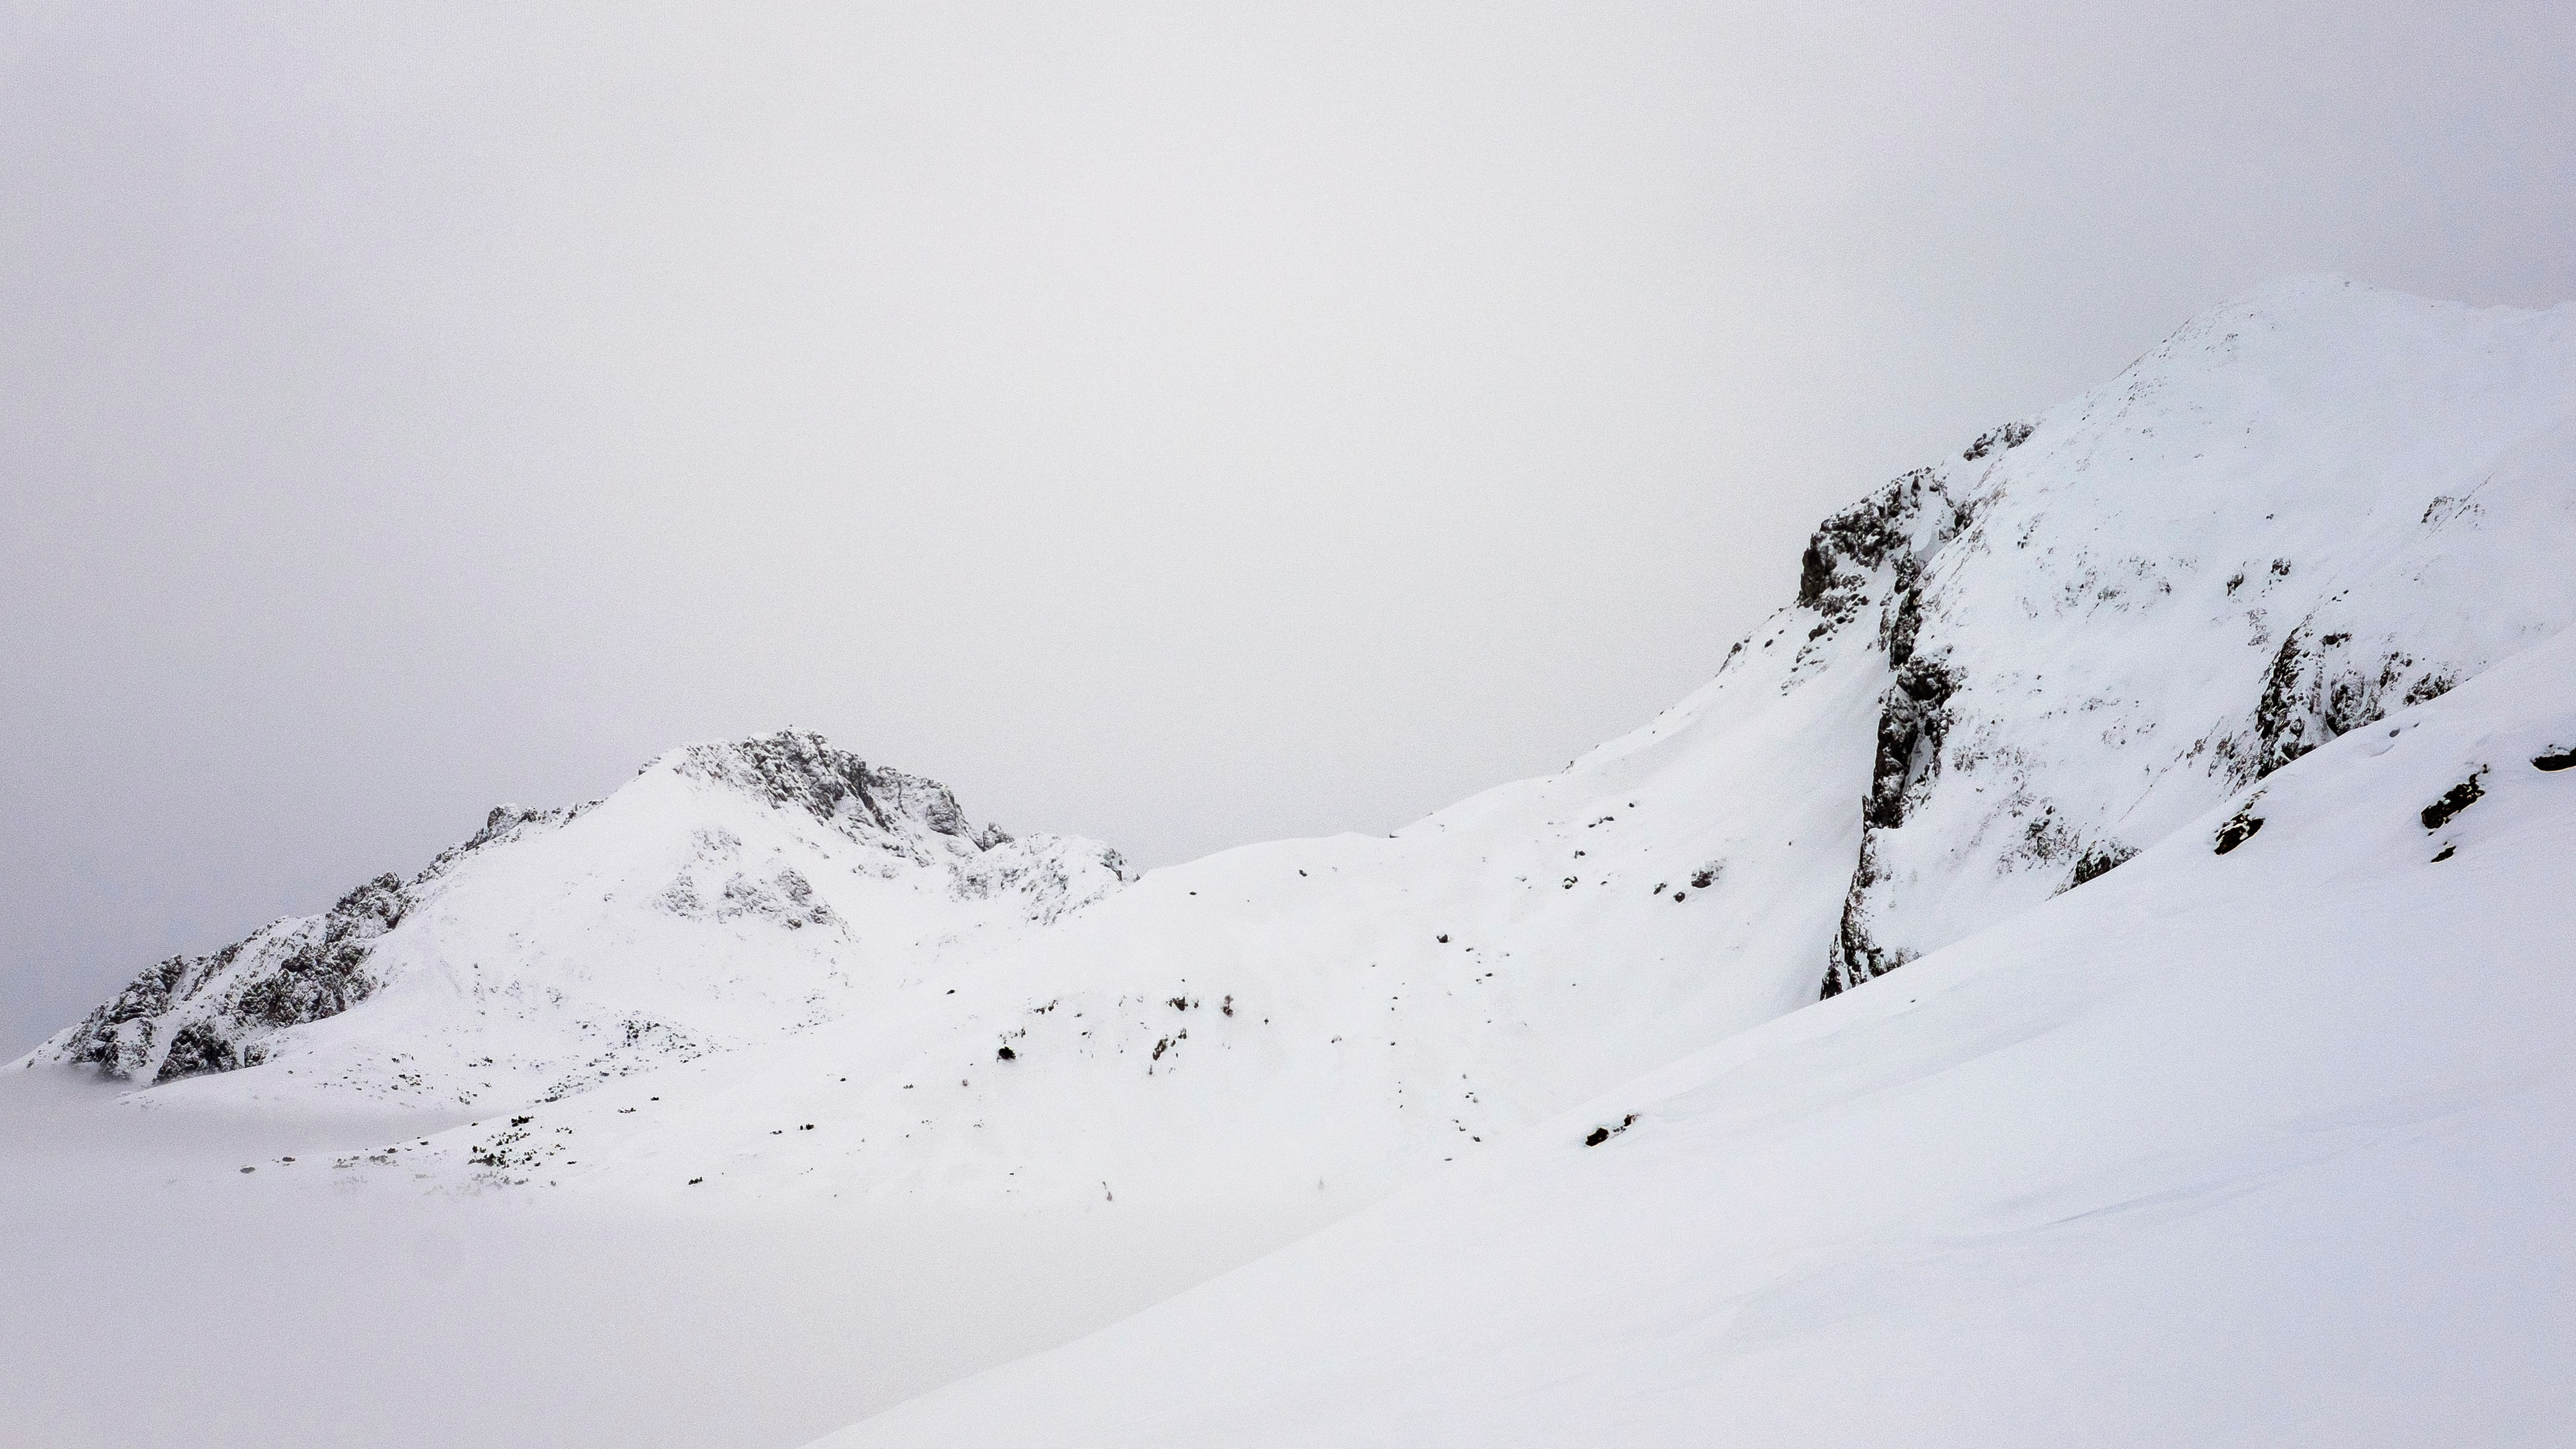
[729, 894]
[2259, 1136]
[2003, 675]
[2263, 1139]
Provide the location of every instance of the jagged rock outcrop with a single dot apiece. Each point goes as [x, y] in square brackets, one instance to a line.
[190, 1015]
[803, 770]
[2298, 515]
[2322, 686]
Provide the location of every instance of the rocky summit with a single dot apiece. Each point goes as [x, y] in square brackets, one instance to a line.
[732, 892]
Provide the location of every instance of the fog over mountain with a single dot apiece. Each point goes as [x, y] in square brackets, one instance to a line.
[1170, 428]
[1460, 725]
[2113, 908]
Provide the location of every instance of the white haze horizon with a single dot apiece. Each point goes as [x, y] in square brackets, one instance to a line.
[1176, 429]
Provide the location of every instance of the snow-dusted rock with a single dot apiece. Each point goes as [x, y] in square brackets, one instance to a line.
[2301, 512]
[730, 893]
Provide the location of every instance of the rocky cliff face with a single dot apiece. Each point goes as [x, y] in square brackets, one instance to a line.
[2297, 515]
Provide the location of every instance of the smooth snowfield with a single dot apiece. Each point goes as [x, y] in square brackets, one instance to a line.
[2264, 1148]
[159, 1296]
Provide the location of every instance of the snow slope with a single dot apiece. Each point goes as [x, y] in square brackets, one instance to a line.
[2298, 513]
[1295, 1018]
[159, 1296]
[2267, 1146]
[2003, 674]
[728, 895]
[2215, 1148]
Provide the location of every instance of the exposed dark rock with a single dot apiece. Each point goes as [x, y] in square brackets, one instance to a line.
[118, 1037]
[2239, 828]
[327, 976]
[2554, 760]
[2454, 800]
[1838, 573]
[216, 1010]
[1895, 530]
[907, 815]
[211, 1015]
[2430, 687]
[1599, 1135]
[1913, 718]
[2319, 689]
[1854, 956]
[1901, 622]
[1815, 574]
[2100, 859]
[2010, 435]
[802, 769]
[197, 1049]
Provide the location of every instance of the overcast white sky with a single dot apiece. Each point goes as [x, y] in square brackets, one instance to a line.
[1175, 424]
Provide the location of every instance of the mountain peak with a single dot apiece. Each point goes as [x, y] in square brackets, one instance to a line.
[801, 769]
[694, 910]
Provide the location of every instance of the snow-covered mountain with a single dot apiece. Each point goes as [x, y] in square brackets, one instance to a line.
[2197, 753]
[2003, 675]
[728, 895]
[2297, 514]
[2261, 1140]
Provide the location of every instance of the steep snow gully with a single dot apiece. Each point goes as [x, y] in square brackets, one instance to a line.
[1604, 1168]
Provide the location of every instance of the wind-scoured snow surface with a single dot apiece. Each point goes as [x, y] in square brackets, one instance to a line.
[730, 894]
[2017, 1000]
[2263, 1147]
